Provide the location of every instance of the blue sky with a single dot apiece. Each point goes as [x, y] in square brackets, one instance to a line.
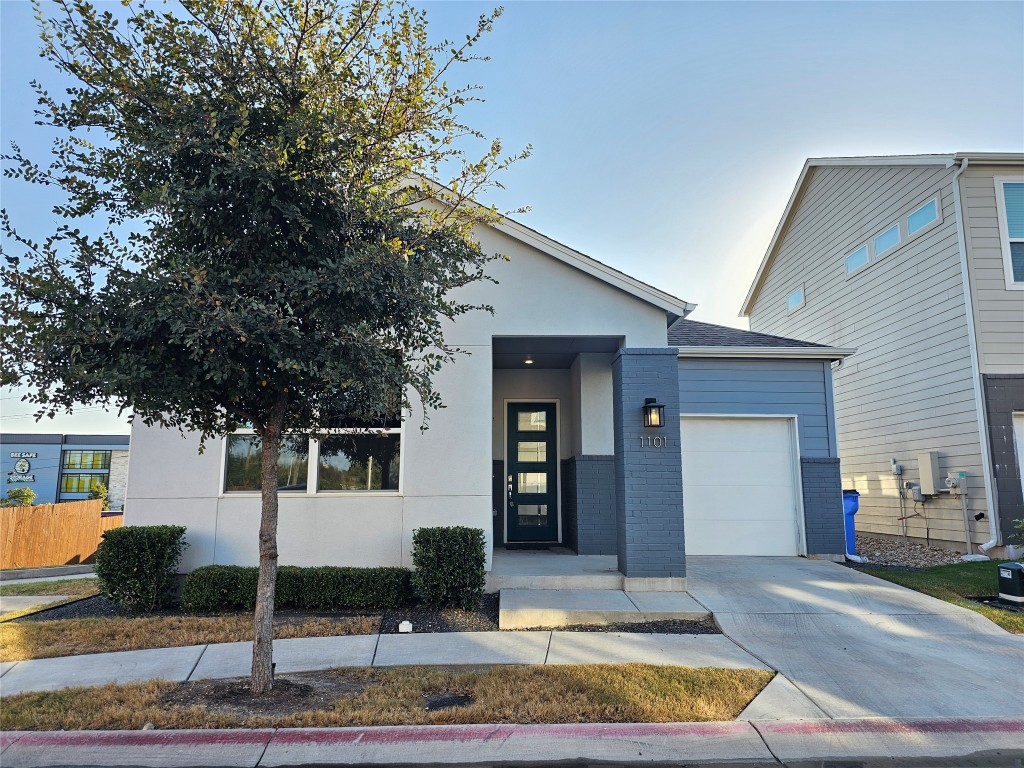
[668, 135]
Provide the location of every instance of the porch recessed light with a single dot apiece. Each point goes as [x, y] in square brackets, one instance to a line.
[528, 360]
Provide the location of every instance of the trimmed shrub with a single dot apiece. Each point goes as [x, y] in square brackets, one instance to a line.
[449, 564]
[136, 564]
[325, 588]
[219, 588]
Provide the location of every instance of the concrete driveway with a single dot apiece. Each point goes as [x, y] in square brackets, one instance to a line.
[858, 646]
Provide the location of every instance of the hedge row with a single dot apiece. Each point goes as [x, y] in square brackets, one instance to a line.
[322, 588]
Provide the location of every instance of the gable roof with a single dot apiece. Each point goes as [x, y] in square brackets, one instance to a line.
[674, 307]
[695, 339]
[948, 160]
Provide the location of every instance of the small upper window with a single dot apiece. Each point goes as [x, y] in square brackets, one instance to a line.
[923, 216]
[887, 240]
[857, 259]
[1013, 209]
[795, 300]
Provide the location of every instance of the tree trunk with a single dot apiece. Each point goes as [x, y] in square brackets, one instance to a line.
[262, 680]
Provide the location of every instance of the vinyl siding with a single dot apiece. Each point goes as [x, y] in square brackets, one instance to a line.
[998, 312]
[763, 387]
[908, 389]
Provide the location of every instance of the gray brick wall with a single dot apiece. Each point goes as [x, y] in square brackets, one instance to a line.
[1004, 394]
[823, 506]
[588, 505]
[648, 480]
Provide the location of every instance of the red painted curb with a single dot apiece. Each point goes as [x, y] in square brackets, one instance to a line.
[143, 738]
[410, 734]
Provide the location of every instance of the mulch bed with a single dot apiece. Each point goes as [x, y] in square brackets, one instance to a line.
[298, 692]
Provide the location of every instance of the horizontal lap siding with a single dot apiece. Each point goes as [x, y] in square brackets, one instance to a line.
[784, 387]
[998, 312]
[908, 388]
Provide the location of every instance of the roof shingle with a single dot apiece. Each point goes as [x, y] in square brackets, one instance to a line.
[690, 333]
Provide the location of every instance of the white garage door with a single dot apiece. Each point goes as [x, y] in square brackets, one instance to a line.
[739, 487]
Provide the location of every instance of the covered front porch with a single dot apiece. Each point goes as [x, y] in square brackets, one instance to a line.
[577, 466]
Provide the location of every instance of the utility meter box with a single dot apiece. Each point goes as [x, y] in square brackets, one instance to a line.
[932, 482]
[1011, 582]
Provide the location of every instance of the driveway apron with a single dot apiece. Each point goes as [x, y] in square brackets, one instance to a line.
[858, 646]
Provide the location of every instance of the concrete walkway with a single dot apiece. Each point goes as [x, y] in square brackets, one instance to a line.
[855, 646]
[865, 743]
[313, 653]
[21, 603]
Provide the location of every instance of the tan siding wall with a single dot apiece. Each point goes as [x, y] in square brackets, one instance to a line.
[998, 312]
[908, 388]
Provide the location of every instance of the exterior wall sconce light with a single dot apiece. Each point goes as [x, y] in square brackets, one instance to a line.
[654, 413]
[528, 360]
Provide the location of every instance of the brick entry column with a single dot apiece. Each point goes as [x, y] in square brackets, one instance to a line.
[648, 471]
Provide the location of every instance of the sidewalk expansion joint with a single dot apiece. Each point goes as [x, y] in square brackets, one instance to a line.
[765, 742]
[266, 746]
[547, 652]
[10, 668]
[376, 645]
[192, 671]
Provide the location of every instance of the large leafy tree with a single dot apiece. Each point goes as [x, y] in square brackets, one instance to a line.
[270, 252]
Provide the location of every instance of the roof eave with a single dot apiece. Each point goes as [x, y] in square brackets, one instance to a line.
[814, 353]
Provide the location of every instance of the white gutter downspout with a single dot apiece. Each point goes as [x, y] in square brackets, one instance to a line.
[979, 402]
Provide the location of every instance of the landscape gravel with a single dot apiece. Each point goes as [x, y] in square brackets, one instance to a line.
[911, 554]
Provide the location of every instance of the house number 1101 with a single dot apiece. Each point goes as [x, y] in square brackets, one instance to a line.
[653, 441]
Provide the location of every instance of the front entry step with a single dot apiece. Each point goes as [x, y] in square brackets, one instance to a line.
[525, 608]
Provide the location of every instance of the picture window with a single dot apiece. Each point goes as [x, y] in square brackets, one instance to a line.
[923, 216]
[795, 300]
[887, 240]
[857, 259]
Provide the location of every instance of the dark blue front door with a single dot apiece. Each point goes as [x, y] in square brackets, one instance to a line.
[531, 487]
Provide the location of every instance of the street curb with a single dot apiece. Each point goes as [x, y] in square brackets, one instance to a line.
[792, 741]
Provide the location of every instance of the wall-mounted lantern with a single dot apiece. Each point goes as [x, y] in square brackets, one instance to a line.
[654, 413]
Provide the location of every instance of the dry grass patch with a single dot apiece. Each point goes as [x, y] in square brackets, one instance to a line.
[70, 587]
[71, 637]
[597, 693]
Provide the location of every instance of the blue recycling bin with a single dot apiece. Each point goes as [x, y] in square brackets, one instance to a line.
[851, 503]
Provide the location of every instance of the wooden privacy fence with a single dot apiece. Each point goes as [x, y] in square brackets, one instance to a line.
[53, 534]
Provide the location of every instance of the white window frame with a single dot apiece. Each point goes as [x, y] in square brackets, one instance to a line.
[886, 231]
[803, 299]
[846, 259]
[313, 466]
[1004, 230]
[937, 199]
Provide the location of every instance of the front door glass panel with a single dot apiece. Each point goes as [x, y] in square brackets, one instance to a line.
[533, 482]
[532, 421]
[533, 515]
[532, 451]
[532, 473]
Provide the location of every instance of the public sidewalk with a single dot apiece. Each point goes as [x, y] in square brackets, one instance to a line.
[313, 653]
[869, 742]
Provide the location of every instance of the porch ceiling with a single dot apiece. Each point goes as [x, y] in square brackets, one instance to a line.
[548, 351]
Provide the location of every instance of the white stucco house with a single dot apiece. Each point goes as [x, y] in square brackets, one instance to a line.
[543, 440]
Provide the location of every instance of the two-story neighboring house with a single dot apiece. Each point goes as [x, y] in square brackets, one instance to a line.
[918, 262]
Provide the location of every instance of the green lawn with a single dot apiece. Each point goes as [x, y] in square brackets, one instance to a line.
[953, 583]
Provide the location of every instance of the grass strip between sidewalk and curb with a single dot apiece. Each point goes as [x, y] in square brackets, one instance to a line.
[69, 587]
[954, 583]
[597, 693]
[71, 637]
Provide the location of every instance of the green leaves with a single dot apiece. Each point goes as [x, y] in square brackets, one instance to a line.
[269, 240]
